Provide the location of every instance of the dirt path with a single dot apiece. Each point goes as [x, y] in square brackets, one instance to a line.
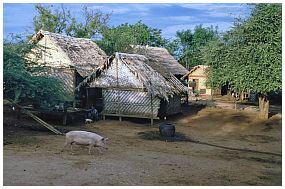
[137, 156]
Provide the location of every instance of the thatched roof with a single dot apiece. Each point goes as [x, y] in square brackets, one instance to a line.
[83, 53]
[154, 78]
[204, 67]
[161, 56]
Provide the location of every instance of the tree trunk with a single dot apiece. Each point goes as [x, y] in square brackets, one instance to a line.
[242, 96]
[263, 107]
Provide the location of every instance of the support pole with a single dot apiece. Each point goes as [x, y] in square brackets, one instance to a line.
[64, 118]
[87, 99]
[74, 87]
[117, 90]
[151, 102]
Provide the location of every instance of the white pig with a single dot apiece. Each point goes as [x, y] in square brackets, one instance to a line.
[85, 138]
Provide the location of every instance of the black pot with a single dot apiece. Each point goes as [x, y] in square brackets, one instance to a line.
[167, 130]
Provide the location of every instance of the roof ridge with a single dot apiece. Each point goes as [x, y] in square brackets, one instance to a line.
[61, 35]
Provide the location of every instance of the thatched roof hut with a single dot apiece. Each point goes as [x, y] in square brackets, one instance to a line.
[67, 58]
[131, 85]
[161, 56]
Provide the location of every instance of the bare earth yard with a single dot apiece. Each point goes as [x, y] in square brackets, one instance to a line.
[137, 156]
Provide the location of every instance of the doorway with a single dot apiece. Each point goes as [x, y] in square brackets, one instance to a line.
[94, 98]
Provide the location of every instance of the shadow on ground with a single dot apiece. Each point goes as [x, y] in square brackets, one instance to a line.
[154, 135]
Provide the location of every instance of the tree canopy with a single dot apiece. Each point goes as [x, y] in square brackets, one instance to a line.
[119, 38]
[60, 20]
[249, 57]
[190, 44]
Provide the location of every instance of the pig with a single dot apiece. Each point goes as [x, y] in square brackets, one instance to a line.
[85, 138]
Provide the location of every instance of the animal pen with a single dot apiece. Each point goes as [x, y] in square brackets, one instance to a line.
[130, 85]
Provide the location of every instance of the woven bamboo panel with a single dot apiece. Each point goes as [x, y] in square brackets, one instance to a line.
[129, 103]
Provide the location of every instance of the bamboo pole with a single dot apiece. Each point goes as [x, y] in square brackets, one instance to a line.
[87, 99]
[48, 126]
[151, 101]
[118, 91]
[74, 85]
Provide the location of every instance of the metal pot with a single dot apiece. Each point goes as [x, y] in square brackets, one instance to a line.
[167, 130]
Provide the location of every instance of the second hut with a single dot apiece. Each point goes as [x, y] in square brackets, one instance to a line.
[133, 86]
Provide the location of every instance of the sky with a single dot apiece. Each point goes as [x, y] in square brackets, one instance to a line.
[170, 18]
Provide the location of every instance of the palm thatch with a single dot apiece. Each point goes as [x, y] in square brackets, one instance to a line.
[161, 56]
[83, 54]
[145, 74]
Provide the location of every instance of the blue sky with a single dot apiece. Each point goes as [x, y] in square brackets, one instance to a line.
[167, 17]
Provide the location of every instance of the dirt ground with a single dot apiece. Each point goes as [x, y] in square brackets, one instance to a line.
[213, 146]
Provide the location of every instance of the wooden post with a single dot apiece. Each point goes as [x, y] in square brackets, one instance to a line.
[74, 84]
[87, 99]
[64, 118]
[151, 120]
[18, 114]
[118, 91]
[242, 96]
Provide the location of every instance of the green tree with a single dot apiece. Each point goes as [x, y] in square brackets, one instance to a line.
[191, 44]
[94, 21]
[23, 87]
[119, 38]
[249, 56]
[60, 20]
[51, 19]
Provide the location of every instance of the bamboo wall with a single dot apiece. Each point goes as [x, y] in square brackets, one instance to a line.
[130, 103]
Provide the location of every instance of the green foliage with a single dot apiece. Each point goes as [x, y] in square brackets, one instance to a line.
[119, 39]
[22, 86]
[60, 20]
[52, 20]
[249, 56]
[94, 22]
[190, 44]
